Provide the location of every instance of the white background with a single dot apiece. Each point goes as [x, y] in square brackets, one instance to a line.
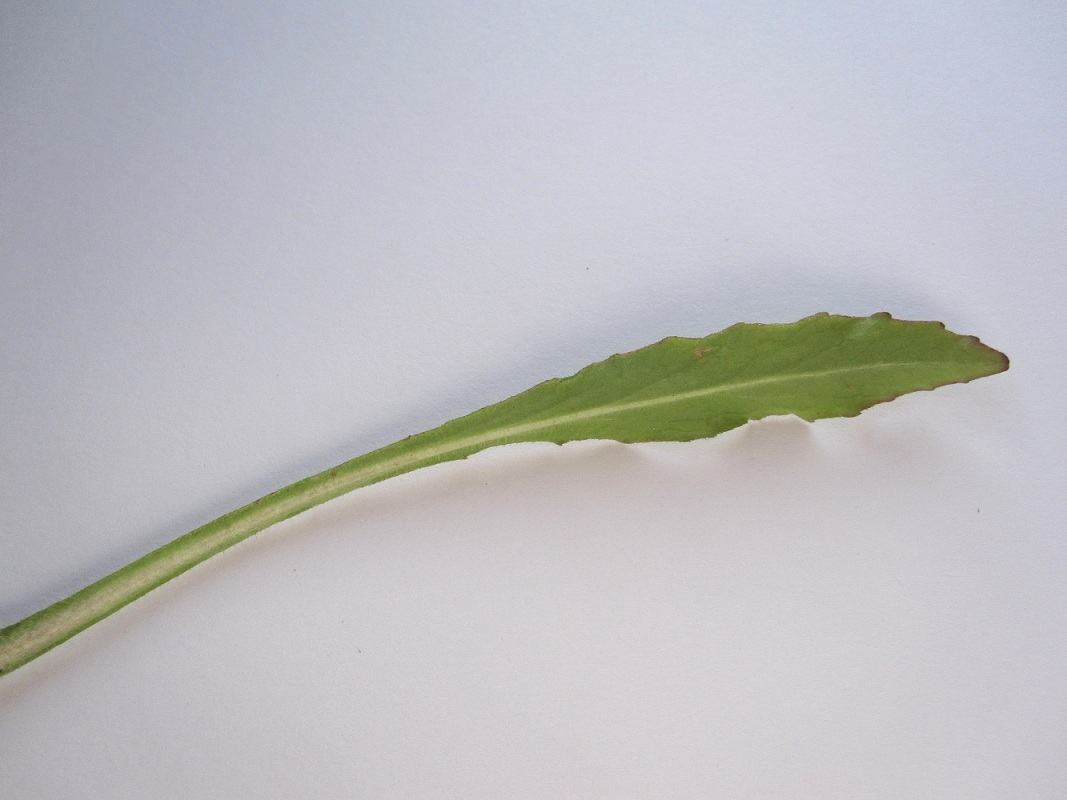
[241, 244]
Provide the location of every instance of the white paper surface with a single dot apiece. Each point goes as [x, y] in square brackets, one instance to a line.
[241, 244]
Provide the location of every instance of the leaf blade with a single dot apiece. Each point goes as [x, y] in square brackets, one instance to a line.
[682, 389]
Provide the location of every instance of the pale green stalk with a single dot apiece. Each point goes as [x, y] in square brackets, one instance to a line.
[40, 632]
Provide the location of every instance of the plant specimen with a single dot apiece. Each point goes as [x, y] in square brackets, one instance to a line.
[675, 390]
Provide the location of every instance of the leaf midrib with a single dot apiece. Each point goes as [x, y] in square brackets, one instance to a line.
[512, 434]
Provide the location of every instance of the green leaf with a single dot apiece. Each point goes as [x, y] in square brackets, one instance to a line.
[675, 390]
